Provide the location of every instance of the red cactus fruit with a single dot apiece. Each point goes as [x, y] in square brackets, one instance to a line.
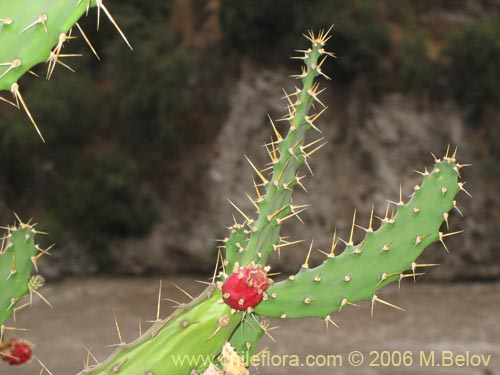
[16, 352]
[245, 287]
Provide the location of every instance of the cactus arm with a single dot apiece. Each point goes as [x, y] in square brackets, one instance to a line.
[16, 264]
[274, 207]
[381, 258]
[186, 341]
[30, 30]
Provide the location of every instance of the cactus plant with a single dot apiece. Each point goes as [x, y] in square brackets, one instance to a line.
[18, 257]
[32, 33]
[227, 319]
[207, 335]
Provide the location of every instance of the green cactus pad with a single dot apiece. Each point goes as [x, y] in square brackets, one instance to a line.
[32, 32]
[184, 343]
[381, 258]
[28, 32]
[16, 264]
[235, 245]
[287, 155]
[246, 337]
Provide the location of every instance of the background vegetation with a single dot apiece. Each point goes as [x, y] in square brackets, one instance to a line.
[118, 127]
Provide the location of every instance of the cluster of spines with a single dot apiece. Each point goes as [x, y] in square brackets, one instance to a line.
[34, 33]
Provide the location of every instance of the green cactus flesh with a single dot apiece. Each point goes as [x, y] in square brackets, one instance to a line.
[381, 258]
[29, 30]
[235, 245]
[287, 155]
[17, 257]
[32, 32]
[184, 343]
[247, 335]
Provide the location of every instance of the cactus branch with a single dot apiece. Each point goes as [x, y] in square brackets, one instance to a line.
[381, 258]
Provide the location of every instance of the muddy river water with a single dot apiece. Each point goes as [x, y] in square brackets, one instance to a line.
[446, 329]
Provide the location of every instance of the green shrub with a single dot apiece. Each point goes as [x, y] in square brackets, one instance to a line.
[101, 147]
[101, 198]
[360, 31]
[361, 37]
[18, 171]
[473, 55]
[418, 72]
[255, 26]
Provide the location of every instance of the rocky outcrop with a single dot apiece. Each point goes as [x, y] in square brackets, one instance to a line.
[372, 147]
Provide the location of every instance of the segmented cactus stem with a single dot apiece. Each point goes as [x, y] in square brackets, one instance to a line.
[33, 32]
